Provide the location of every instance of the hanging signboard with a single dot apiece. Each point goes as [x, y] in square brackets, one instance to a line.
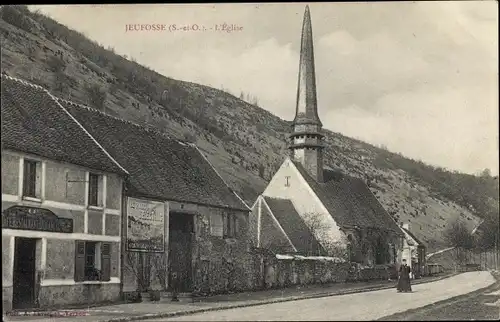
[32, 218]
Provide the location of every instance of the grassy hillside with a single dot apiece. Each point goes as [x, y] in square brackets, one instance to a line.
[243, 141]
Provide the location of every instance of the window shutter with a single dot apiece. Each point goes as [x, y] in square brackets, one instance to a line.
[38, 178]
[79, 261]
[225, 225]
[236, 226]
[105, 261]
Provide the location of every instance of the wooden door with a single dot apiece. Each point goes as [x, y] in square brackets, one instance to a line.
[180, 251]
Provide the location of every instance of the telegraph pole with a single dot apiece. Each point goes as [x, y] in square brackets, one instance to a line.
[496, 252]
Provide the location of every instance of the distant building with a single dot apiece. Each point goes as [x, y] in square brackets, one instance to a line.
[303, 198]
[61, 205]
[181, 220]
[414, 251]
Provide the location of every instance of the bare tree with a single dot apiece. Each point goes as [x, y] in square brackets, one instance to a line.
[459, 236]
[159, 265]
[132, 266]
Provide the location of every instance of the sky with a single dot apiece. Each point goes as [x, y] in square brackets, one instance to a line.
[420, 78]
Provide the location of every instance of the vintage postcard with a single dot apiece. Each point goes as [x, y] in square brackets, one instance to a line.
[250, 161]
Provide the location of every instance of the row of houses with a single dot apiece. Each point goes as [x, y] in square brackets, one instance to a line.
[87, 196]
[95, 208]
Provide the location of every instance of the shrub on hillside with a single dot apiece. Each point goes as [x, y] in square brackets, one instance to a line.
[14, 15]
[56, 64]
[96, 97]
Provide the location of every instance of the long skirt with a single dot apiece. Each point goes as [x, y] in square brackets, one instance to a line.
[404, 285]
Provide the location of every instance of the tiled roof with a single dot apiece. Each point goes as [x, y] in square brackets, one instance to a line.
[419, 243]
[159, 166]
[33, 122]
[293, 225]
[349, 201]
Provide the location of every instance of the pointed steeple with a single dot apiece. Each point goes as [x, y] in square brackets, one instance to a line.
[306, 145]
[307, 108]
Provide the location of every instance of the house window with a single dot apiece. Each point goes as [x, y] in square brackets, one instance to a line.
[230, 225]
[216, 225]
[32, 179]
[95, 190]
[92, 261]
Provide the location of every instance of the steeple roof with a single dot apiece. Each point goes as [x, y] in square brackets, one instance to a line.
[307, 109]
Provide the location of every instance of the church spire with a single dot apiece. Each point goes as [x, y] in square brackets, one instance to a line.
[307, 109]
[306, 138]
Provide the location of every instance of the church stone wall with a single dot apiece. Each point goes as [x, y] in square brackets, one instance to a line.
[280, 273]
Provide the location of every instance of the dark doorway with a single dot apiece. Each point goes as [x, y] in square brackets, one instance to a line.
[181, 233]
[24, 273]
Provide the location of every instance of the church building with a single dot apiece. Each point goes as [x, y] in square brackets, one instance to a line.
[313, 210]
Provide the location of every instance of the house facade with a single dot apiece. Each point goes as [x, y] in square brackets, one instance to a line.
[183, 226]
[414, 252]
[340, 211]
[61, 205]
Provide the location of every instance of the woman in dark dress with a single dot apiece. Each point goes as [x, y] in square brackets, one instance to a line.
[404, 278]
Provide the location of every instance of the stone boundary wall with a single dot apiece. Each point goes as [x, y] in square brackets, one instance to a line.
[284, 271]
[379, 272]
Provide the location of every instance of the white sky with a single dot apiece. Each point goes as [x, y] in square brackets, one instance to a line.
[418, 77]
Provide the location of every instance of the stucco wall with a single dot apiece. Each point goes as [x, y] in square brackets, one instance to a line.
[64, 192]
[63, 295]
[60, 262]
[65, 183]
[10, 173]
[6, 260]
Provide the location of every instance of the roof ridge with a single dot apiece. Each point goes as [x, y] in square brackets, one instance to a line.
[23, 81]
[218, 174]
[54, 98]
[276, 198]
[146, 127]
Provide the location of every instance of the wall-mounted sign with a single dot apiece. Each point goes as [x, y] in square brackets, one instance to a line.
[145, 225]
[32, 218]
